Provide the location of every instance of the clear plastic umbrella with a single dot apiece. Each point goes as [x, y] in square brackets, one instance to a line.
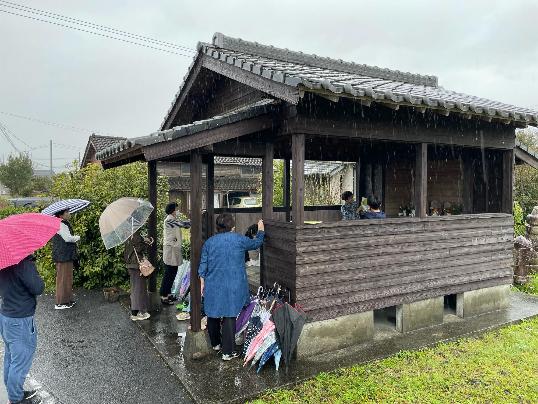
[122, 218]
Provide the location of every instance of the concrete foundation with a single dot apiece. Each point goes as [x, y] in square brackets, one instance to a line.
[331, 335]
[481, 301]
[424, 313]
[196, 345]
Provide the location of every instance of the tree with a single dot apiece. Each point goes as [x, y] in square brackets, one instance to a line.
[526, 177]
[17, 175]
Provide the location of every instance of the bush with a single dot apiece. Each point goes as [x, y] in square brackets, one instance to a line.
[99, 267]
[519, 220]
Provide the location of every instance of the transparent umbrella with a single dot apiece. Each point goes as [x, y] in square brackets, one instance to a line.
[122, 218]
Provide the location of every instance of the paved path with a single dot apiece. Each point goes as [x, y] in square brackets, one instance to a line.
[93, 353]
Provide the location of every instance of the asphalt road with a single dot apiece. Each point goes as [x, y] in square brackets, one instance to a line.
[93, 353]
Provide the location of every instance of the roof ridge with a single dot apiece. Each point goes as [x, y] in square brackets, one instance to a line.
[240, 45]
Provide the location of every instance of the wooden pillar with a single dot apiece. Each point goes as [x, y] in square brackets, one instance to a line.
[286, 182]
[358, 190]
[196, 237]
[152, 224]
[298, 159]
[267, 182]
[378, 182]
[468, 180]
[210, 198]
[368, 185]
[421, 180]
[508, 178]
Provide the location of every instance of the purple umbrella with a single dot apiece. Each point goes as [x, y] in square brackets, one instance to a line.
[244, 316]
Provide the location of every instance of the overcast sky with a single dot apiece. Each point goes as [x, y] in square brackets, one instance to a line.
[486, 48]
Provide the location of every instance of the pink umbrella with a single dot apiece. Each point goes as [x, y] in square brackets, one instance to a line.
[268, 326]
[21, 235]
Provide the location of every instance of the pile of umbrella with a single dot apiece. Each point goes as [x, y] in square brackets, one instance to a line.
[269, 327]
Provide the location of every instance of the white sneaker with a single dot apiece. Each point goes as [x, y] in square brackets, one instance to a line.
[229, 357]
[64, 306]
[140, 316]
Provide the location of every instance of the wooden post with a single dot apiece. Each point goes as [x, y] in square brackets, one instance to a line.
[152, 228]
[196, 237]
[210, 198]
[298, 158]
[378, 182]
[421, 180]
[468, 181]
[286, 184]
[267, 182]
[358, 180]
[508, 185]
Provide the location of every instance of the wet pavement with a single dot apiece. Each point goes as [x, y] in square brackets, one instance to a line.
[211, 380]
[94, 353]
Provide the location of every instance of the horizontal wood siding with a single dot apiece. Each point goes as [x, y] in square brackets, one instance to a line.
[279, 254]
[343, 268]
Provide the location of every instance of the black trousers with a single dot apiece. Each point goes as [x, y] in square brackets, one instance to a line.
[170, 273]
[222, 333]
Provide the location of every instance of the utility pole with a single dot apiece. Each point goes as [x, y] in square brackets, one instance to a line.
[51, 172]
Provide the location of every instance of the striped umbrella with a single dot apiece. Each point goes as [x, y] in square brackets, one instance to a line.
[122, 218]
[21, 235]
[72, 205]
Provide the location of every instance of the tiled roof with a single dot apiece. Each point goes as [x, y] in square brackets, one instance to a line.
[323, 167]
[221, 184]
[102, 142]
[238, 161]
[250, 111]
[315, 73]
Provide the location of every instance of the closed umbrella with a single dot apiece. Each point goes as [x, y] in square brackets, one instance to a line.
[122, 218]
[270, 352]
[244, 316]
[289, 323]
[21, 235]
[72, 205]
[258, 340]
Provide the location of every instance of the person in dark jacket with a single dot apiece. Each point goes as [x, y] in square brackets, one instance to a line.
[19, 286]
[64, 253]
[375, 210]
[135, 249]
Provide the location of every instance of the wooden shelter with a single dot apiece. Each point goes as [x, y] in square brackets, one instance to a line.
[414, 143]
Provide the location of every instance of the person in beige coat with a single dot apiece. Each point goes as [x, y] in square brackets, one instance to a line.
[171, 251]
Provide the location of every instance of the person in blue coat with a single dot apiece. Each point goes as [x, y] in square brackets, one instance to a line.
[224, 281]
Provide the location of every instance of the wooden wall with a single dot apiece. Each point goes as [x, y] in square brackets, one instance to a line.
[228, 95]
[348, 267]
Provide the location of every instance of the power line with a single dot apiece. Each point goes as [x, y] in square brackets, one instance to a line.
[5, 134]
[95, 33]
[92, 25]
[55, 124]
[15, 136]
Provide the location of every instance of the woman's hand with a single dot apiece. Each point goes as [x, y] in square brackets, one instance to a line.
[261, 226]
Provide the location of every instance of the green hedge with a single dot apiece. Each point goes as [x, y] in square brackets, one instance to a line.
[98, 267]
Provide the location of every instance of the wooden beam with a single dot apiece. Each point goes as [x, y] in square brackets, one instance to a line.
[298, 160]
[286, 182]
[508, 178]
[152, 223]
[196, 237]
[208, 137]
[421, 180]
[267, 182]
[210, 198]
[495, 136]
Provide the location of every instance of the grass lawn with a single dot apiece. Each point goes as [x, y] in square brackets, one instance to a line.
[499, 367]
